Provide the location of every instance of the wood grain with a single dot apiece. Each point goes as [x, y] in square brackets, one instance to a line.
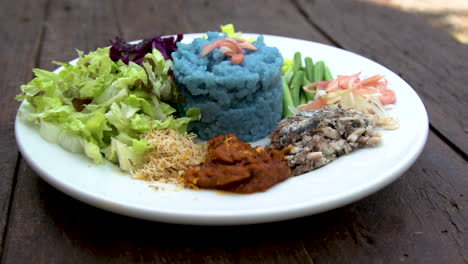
[21, 25]
[81, 233]
[71, 25]
[431, 61]
[34, 33]
[65, 19]
[200, 16]
[421, 218]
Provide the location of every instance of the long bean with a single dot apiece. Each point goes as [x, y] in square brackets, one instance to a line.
[296, 85]
[287, 100]
[297, 62]
[308, 96]
[301, 75]
[302, 98]
[309, 69]
[288, 76]
[319, 69]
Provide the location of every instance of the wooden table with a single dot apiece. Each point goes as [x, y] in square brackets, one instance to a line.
[420, 218]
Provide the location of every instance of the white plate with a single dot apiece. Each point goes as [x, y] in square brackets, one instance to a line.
[343, 181]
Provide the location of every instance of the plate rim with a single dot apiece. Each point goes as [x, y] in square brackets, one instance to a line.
[236, 217]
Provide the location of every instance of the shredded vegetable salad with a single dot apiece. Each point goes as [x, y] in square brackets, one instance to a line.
[102, 108]
[351, 92]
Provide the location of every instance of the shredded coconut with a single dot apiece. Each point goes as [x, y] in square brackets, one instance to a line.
[172, 154]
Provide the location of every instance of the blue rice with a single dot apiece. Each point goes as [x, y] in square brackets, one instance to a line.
[244, 99]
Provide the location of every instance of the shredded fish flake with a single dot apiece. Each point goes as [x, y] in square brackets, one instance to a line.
[172, 154]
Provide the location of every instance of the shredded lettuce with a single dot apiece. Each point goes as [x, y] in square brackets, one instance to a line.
[101, 107]
[230, 31]
[288, 70]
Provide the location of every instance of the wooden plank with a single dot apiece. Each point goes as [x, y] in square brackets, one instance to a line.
[20, 32]
[82, 25]
[31, 38]
[199, 17]
[353, 227]
[49, 227]
[430, 60]
[421, 218]
[55, 228]
[177, 16]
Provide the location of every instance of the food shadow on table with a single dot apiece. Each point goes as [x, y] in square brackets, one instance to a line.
[106, 233]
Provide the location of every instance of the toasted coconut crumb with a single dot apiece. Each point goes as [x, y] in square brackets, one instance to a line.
[173, 152]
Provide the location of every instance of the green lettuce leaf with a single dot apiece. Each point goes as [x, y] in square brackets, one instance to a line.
[130, 156]
[157, 70]
[122, 102]
[70, 141]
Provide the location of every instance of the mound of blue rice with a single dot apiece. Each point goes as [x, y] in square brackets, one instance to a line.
[245, 99]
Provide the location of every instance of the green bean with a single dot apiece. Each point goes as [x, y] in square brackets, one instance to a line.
[319, 69]
[297, 62]
[308, 96]
[309, 68]
[328, 75]
[296, 83]
[302, 74]
[287, 100]
[302, 98]
[288, 76]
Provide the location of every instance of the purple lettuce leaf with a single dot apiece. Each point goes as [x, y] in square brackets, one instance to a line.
[121, 50]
